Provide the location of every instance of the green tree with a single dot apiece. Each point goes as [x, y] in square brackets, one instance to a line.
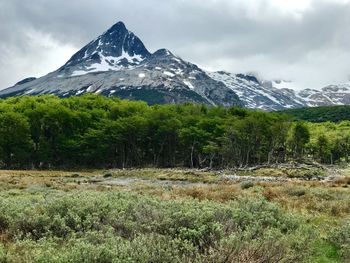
[15, 143]
[300, 136]
[212, 150]
[163, 135]
[323, 149]
[193, 139]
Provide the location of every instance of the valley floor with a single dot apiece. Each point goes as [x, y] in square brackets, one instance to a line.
[281, 214]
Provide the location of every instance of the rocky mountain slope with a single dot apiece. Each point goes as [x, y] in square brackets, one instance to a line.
[273, 95]
[118, 64]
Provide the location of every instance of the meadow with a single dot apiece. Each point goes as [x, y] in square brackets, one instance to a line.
[176, 215]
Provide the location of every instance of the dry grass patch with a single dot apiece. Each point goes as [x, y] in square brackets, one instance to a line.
[47, 173]
[189, 175]
[219, 193]
[343, 181]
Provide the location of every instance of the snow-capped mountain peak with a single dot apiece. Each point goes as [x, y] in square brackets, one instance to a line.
[115, 49]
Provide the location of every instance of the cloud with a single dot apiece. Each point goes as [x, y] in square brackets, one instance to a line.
[36, 54]
[303, 40]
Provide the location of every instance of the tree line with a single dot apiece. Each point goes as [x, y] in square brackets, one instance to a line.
[321, 114]
[93, 131]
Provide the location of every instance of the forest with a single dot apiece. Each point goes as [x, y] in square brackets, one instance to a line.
[93, 131]
[321, 114]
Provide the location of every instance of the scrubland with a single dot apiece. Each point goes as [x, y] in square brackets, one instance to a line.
[174, 215]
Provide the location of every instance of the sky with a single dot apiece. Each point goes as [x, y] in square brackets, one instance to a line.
[303, 41]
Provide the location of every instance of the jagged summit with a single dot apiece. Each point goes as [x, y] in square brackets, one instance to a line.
[119, 26]
[122, 41]
[116, 48]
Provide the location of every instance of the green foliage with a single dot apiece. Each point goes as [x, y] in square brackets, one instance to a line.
[124, 227]
[14, 138]
[320, 114]
[341, 239]
[95, 131]
[247, 185]
[299, 137]
[330, 142]
[325, 252]
[323, 149]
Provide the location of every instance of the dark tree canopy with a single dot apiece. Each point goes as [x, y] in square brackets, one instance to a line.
[94, 131]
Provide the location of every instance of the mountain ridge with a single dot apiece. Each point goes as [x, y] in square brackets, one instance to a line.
[117, 63]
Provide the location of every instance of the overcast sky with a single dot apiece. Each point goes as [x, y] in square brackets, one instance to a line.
[299, 40]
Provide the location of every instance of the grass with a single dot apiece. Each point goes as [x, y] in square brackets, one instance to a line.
[307, 172]
[325, 252]
[68, 216]
[167, 174]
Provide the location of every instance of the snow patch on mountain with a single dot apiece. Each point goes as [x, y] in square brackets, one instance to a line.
[254, 93]
[168, 74]
[108, 63]
[189, 84]
[142, 75]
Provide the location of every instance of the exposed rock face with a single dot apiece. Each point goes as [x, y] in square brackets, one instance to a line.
[25, 81]
[118, 64]
[257, 95]
[329, 95]
[270, 95]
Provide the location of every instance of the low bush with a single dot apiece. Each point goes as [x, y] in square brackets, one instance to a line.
[341, 238]
[296, 191]
[247, 185]
[125, 227]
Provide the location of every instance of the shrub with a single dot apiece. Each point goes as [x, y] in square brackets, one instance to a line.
[295, 191]
[247, 185]
[273, 247]
[269, 194]
[125, 227]
[3, 257]
[108, 175]
[341, 238]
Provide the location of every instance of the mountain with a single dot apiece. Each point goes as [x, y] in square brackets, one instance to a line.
[329, 95]
[256, 94]
[117, 63]
[276, 95]
[116, 49]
